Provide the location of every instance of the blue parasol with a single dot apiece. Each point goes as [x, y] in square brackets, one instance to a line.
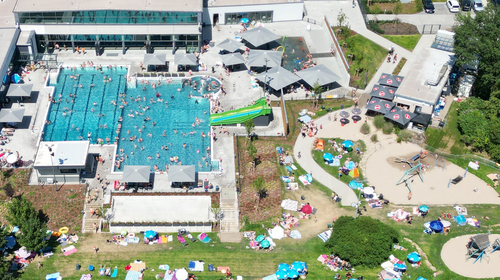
[328, 157]
[265, 244]
[399, 267]
[421, 278]
[413, 257]
[293, 273]
[423, 208]
[355, 185]
[16, 78]
[244, 20]
[260, 238]
[299, 266]
[281, 274]
[436, 226]
[283, 266]
[347, 143]
[150, 234]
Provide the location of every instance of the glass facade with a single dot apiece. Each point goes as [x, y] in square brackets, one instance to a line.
[190, 43]
[253, 17]
[108, 17]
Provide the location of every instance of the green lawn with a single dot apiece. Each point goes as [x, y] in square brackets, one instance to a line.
[448, 138]
[367, 57]
[333, 170]
[406, 41]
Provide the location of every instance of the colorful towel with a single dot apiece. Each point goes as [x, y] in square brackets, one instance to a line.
[133, 275]
[69, 252]
[203, 237]
[86, 277]
[290, 205]
[115, 273]
[325, 235]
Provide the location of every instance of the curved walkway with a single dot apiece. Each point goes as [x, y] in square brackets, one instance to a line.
[304, 146]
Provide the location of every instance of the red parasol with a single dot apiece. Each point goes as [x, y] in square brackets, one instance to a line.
[306, 209]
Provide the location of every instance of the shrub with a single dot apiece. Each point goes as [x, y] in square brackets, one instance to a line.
[388, 128]
[388, 12]
[374, 138]
[373, 25]
[362, 241]
[376, 10]
[405, 135]
[379, 121]
[419, 6]
[365, 128]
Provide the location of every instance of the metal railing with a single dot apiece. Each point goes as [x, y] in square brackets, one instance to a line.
[337, 46]
[431, 28]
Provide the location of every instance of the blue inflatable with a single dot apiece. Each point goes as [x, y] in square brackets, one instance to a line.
[461, 221]
[355, 185]
[328, 157]
[436, 226]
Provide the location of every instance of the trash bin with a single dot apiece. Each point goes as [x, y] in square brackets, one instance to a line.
[78, 266]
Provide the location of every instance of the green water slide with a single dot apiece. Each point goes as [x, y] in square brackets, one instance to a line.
[241, 115]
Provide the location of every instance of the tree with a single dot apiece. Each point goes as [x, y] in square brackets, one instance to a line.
[476, 42]
[4, 264]
[249, 126]
[32, 223]
[317, 89]
[33, 230]
[252, 152]
[362, 241]
[259, 186]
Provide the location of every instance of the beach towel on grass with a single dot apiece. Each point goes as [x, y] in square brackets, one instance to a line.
[270, 277]
[56, 275]
[196, 266]
[325, 235]
[69, 250]
[133, 275]
[290, 205]
[86, 277]
[203, 237]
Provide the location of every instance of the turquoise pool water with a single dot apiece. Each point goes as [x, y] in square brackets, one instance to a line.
[140, 142]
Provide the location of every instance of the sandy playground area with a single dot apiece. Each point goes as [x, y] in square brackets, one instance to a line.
[454, 256]
[383, 173]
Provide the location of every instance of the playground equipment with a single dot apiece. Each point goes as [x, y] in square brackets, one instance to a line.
[417, 169]
[241, 115]
[476, 248]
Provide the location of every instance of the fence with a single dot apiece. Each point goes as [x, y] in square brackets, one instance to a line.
[431, 28]
[313, 21]
[337, 46]
[363, 11]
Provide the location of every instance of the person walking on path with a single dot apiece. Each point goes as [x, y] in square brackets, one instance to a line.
[99, 177]
[95, 249]
[299, 155]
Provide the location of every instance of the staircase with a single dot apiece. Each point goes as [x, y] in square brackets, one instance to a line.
[229, 227]
[88, 219]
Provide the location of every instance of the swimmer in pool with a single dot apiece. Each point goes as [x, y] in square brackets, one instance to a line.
[184, 145]
[164, 133]
[157, 155]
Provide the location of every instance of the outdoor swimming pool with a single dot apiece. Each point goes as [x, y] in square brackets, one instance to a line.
[152, 118]
[294, 55]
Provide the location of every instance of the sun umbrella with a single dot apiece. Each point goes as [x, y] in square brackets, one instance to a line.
[16, 78]
[124, 232]
[277, 232]
[356, 118]
[368, 190]
[283, 267]
[136, 173]
[400, 267]
[379, 105]
[413, 257]
[232, 59]
[306, 209]
[278, 78]
[263, 58]
[344, 114]
[293, 273]
[356, 111]
[22, 90]
[185, 59]
[260, 238]
[436, 226]
[423, 208]
[150, 234]
[230, 45]
[328, 157]
[344, 121]
[182, 173]
[155, 59]
[265, 244]
[299, 266]
[383, 92]
[259, 36]
[399, 116]
[281, 274]
[390, 80]
[12, 115]
[181, 274]
[347, 144]
[244, 20]
[318, 74]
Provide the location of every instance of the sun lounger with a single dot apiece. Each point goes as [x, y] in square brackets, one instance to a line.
[182, 240]
[457, 180]
[203, 237]
[415, 157]
[190, 236]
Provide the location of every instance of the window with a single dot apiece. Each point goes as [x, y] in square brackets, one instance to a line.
[68, 170]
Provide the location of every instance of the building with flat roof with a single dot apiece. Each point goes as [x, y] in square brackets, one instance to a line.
[61, 161]
[423, 85]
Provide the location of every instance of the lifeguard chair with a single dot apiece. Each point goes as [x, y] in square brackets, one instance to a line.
[476, 248]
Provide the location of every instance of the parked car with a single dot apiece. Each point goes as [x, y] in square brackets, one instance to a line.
[478, 6]
[428, 6]
[466, 5]
[453, 6]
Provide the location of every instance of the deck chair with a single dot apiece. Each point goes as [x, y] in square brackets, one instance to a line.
[457, 180]
[190, 236]
[182, 240]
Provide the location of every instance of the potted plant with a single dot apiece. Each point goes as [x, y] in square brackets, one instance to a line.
[168, 224]
[192, 224]
[176, 224]
[184, 224]
[207, 224]
[199, 224]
